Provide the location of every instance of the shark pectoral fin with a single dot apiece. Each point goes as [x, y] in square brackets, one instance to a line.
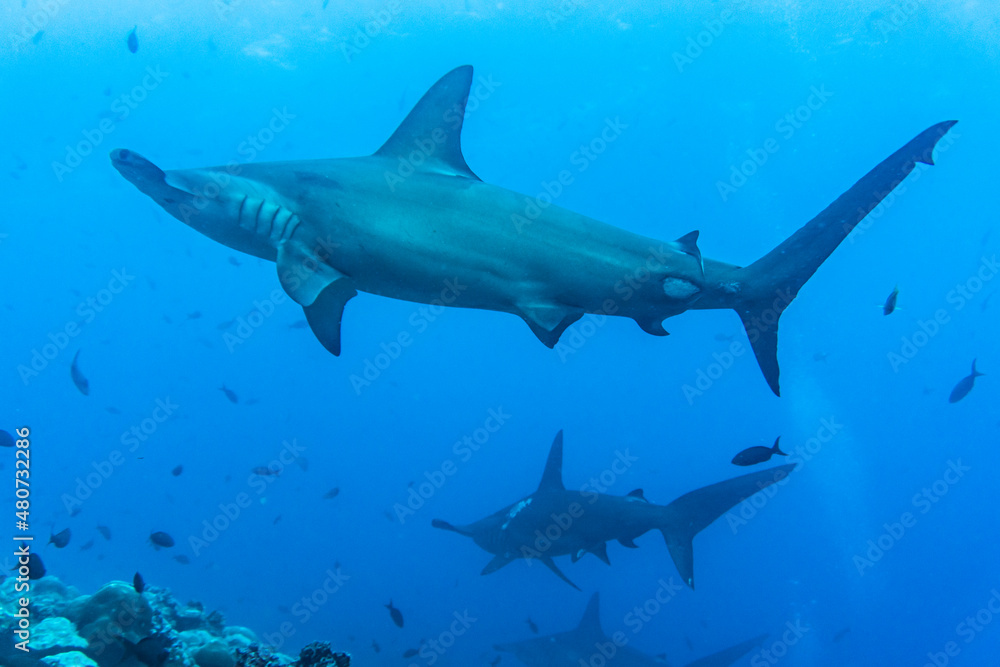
[326, 311]
[498, 561]
[303, 273]
[548, 321]
[436, 121]
[728, 656]
[627, 542]
[551, 564]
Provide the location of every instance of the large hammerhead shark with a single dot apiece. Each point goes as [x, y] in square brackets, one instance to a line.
[414, 222]
[554, 521]
[586, 644]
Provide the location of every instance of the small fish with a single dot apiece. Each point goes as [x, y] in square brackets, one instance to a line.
[161, 539]
[276, 520]
[113, 410]
[325, 3]
[298, 324]
[410, 652]
[105, 531]
[60, 539]
[6, 439]
[36, 570]
[375, 646]
[690, 645]
[230, 394]
[196, 315]
[397, 616]
[38, 37]
[532, 626]
[264, 471]
[222, 326]
[332, 493]
[153, 650]
[890, 302]
[138, 584]
[76, 510]
[986, 301]
[78, 379]
[133, 41]
[820, 356]
[234, 261]
[177, 471]
[303, 463]
[964, 385]
[182, 559]
[496, 661]
[86, 546]
[754, 455]
[841, 634]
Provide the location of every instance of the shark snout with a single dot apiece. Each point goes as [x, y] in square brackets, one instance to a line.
[136, 169]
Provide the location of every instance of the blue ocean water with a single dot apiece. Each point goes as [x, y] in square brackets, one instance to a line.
[739, 119]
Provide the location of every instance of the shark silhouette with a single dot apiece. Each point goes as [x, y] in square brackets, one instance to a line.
[587, 644]
[554, 521]
[414, 222]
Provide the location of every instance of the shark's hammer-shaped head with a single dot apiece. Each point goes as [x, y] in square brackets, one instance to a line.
[231, 209]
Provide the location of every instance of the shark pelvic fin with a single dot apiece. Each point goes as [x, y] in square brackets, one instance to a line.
[551, 564]
[552, 475]
[548, 322]
[326, 311]
[637, 494]
[601, 551]
[436, 123]
[498, 561]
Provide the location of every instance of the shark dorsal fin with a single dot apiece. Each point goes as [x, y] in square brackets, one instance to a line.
[433, 128]
[591, 621]
[552, 476]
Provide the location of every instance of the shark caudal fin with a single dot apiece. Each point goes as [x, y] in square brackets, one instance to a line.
[693, 512]
[765, 288]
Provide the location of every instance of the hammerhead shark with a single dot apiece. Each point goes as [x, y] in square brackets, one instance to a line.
[554, 521]
[413, 222]
[583, 644]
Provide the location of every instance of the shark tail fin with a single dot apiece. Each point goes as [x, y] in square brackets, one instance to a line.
[693, 512]
[766, 287]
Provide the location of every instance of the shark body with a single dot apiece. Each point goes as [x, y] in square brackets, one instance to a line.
[582, 645]
[414, 222]
[554, 521]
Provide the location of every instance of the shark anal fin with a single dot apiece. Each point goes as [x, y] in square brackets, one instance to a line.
[326, 311]
[498, 561]
[551, 564]
[548, 321]
[628, 542]
[436, 121]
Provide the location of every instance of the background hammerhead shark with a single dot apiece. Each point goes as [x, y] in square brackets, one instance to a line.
[414, 222]
[587, 641]
[554, 521]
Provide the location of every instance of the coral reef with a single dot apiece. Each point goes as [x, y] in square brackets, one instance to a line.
[118, 627]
